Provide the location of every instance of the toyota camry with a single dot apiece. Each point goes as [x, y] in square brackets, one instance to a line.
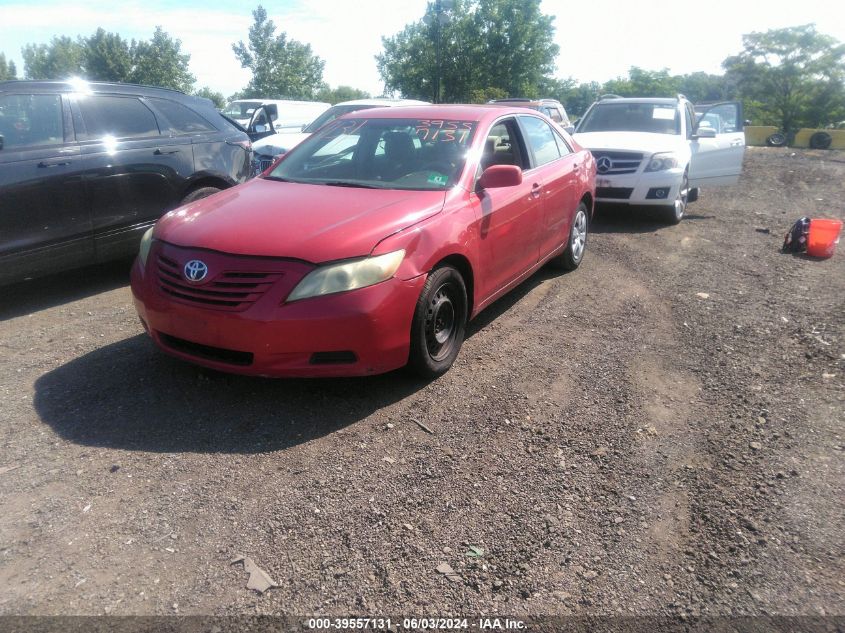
[368, 247]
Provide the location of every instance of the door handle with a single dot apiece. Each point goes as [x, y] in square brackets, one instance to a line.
[536, 190]
[159, 152]
[44, 164]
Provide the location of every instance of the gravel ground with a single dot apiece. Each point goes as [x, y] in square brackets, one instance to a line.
[657, 433]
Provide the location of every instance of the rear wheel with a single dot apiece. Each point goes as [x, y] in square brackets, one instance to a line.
[571, 258]
[439, 325]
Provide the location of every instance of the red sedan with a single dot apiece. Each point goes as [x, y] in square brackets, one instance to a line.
[369, 246]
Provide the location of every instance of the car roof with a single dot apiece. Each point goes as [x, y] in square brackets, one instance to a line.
[652, 100]
[460, 112]
[384, 102]
[80, 85]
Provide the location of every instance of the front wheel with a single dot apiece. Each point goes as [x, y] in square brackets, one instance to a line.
[675, 213]
[439, 325]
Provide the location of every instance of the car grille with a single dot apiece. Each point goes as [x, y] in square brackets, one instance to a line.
[227, 290]
[217, 354]
[622, 162]
[614, 193]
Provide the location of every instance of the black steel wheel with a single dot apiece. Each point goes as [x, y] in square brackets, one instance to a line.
[820, 140]
[439, 325]
[777, 139]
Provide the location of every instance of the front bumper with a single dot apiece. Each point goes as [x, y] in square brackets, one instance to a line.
[356, 333]
[653, 188]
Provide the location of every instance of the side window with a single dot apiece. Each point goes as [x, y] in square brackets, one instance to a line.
[541, 139]
[120, 117]
[31, 120]
[555, 115]
[562, 147]
[502, 146]
[181, 119]
[727, 117]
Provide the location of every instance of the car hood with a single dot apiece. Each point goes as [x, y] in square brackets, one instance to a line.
[276, 144]
[315, 223]
[633, 141]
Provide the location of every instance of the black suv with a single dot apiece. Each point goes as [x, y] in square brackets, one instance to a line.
[86, 168]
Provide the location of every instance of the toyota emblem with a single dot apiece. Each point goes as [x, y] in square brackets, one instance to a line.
[603, 165]
[195, 270]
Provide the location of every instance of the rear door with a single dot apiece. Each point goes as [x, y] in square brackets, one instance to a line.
[44, 222]
[717, 161]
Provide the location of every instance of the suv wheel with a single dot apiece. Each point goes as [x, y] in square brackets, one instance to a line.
[675, 213]
[196, 194]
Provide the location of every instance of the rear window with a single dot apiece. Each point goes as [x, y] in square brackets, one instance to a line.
[181, 119]
[632, 117]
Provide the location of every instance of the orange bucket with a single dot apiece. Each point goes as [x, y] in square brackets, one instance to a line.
[823, 237]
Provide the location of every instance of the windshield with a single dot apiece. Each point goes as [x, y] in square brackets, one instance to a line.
[241, 109]
[421, 154]
[632, 117]
[333, 113]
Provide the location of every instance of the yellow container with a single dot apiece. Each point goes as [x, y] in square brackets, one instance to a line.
[757, 134]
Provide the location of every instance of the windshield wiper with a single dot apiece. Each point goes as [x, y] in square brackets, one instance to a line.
[346, 183]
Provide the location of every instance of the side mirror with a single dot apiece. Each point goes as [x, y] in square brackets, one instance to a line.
[497, 176]
[704, 132]
[260, 128]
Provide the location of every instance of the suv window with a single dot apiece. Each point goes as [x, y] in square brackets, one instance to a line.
[29, 120]
[657, 118]
[541, 139]
[120, 117]
[180, 119]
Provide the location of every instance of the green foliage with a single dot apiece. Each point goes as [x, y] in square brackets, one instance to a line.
[7, 69]
[487, 47]
[216, 97]
[339, 94]
[106, 57]
[160, 62]
[795, 74]
[281, 68]
[62, 58]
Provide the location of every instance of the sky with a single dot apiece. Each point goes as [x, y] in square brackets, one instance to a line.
[598, 40]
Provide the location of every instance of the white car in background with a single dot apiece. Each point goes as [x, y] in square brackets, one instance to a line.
[266, 150]
[658, 152]
[286, 115]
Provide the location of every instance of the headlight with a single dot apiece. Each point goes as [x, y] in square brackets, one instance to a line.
[146, 243]
[358, 273]
[662, 162]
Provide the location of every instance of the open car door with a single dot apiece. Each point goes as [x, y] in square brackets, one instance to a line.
[261, 123]
[718, 145]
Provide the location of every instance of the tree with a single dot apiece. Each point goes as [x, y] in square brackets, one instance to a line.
[216, 97]
[107, 57]
[280, 67]
[7, 69]
[795, 74]
[498, 47]
[60, 59]
[341, 93]
[160, 62]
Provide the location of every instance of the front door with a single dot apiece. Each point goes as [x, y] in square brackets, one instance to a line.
[717, 160]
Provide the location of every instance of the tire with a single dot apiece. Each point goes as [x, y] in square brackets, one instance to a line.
[439, 324]
[777, 139]
[820, 140]
[198, 194]
[571, 258]
[675, 213]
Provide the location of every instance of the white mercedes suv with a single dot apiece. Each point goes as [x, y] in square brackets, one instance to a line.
[658, 152]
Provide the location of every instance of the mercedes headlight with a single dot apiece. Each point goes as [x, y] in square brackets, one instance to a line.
[348, 275]
[146, 243]
[662, 162]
